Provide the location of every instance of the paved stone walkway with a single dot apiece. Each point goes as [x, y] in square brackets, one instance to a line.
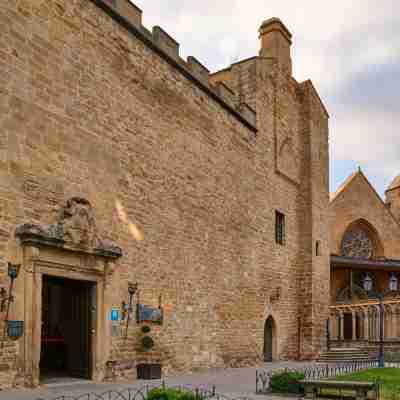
[232, 382]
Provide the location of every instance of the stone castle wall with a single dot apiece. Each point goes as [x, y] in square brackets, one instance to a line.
[178, 160]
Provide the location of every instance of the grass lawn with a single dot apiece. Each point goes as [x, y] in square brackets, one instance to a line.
[389, 378]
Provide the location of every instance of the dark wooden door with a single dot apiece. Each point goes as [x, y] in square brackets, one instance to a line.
[78, 332]
[268, 337]
[348, 326]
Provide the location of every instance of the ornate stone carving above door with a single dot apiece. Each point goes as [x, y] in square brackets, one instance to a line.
[75, 229]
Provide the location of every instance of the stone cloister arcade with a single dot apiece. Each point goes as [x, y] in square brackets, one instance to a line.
[365, 292]
[361, 321]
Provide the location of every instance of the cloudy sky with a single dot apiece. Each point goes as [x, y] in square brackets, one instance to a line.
[349, 48]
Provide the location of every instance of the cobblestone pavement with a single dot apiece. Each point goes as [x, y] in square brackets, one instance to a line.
[232, 382]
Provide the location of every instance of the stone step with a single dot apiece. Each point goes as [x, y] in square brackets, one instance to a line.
[343, 358]
[339, 353]
[345, 354]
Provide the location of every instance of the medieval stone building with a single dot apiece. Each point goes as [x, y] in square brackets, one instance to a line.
[365, 267]
[160, 214]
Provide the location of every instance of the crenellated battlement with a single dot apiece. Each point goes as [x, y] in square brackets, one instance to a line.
[130, 16]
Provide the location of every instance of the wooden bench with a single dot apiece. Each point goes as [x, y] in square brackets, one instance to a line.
[312, 388]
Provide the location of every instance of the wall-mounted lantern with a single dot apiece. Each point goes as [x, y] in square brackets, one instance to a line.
[15, 329]
[367, 283]
[7, 298]
[393, 282]
[127, 307]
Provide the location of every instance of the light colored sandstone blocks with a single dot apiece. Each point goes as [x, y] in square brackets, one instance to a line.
[94, 108]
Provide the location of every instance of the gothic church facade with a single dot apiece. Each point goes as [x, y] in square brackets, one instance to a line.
[365, 267]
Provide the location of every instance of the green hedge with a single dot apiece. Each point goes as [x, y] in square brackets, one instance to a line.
[287, 382]
[170, 394]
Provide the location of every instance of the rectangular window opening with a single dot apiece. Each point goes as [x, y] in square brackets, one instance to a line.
[280, 228]
[317, 248]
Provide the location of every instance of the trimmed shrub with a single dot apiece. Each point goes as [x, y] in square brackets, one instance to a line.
[170, 394]
[146, 329]
[287, 382]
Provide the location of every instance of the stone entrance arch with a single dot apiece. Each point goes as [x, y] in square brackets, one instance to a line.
[270, 348]
[69, 249]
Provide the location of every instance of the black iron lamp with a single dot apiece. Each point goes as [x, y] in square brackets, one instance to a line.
[7, 298]
[13, 270]
[381, 298]
[367, 283]
[393, 282]
[14, 329]
[132, 289]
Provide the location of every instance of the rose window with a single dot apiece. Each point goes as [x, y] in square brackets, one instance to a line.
[357, 244]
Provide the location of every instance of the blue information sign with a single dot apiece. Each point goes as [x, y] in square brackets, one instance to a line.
[114, 316]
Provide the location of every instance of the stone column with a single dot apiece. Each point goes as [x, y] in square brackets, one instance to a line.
[37, 326]
[331, 326]
[332, 321]
[366, 324]
[397, 322]
[389, 319]
[341, 324]
[337, 323]
[386, 322]
[377, 325]
[374, 317]
[31, 254]
[354, 324]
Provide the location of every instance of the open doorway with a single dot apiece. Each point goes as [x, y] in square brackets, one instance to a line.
[66, 348]
[269, 340]
[348, 326]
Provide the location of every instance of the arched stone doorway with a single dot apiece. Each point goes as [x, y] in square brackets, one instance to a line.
[269, 339]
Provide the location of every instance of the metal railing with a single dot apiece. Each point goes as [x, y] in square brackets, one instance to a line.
[263, 378]
[203, 392]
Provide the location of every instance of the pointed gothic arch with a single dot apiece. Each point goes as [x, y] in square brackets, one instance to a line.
[270, 340]
[361, 240]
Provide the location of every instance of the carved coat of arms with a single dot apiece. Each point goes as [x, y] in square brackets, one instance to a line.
[75, 227]
[78, 223]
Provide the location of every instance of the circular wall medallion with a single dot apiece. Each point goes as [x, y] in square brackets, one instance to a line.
[147, 342]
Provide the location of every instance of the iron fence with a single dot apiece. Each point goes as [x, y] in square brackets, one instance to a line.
[203, 392]
[263, 378]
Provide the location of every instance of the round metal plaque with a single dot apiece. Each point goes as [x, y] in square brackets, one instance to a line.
[147, 342]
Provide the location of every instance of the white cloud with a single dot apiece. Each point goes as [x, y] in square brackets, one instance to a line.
[324, 32]
[334, 42]
[371, 140]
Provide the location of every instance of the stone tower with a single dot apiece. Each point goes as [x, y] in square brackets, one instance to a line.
[392, 194]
